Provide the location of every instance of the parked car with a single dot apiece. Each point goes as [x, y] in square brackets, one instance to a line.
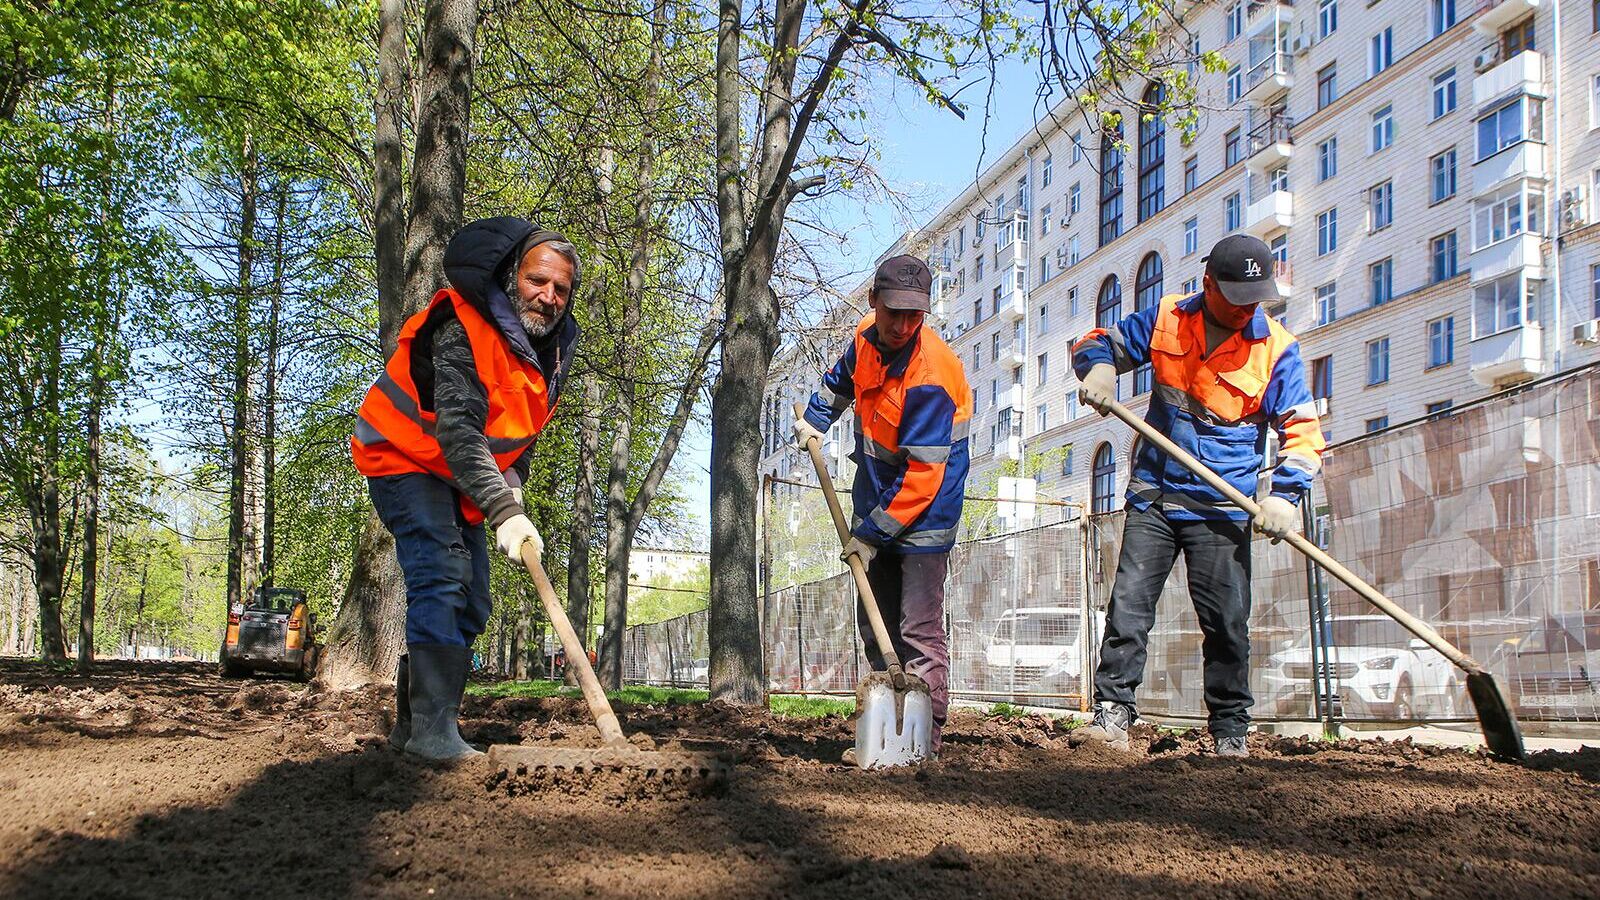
[1035, 644]
[1553, 672]
[1378, 670]
[695, 671]
[273, 631]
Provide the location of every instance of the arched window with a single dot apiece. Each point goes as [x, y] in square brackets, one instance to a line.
[1108, 308]
[1146, 293]
[1110, 185]
[1104, 489]
[1152, 152]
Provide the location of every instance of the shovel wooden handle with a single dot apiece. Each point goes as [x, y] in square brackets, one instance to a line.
[593, 693]
[857, 567]
[1298, 541]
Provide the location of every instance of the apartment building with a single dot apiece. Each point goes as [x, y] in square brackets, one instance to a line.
[1426, 172]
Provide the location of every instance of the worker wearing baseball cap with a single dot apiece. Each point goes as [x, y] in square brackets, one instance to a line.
[1223, 372]
[913, 406]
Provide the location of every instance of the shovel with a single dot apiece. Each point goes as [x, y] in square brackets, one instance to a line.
[1500, 731]
[894, 710]
[616, 752]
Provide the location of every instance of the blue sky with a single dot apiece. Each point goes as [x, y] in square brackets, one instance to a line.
[929, 155]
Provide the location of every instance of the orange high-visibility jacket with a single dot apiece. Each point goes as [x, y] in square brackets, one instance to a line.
[395, 435]
[1217, 407]
[912, 414]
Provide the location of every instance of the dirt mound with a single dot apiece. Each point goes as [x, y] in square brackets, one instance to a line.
[294, 793]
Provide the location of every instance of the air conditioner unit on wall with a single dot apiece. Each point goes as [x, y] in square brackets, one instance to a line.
[1574, 212]
[1302, 41]
[1586, 332]
[1486, 59]
[1322, 407]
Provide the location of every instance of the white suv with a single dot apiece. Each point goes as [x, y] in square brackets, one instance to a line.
[1035, 644]
[1378, 668]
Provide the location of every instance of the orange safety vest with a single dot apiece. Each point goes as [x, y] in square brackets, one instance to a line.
[394, 435]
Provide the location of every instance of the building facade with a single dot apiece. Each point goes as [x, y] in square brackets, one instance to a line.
[1426, 173]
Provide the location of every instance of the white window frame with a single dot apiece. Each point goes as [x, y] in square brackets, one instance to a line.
[1047, 170]
[1233, 212]
[1235, 84]
[1191, 237]
[1378, 361]
[1374, 296]
[1383, 129]
[1441, 337]
[1443, 95]
[1502, 304]
[1513, 210]
[1380, 206]
[1435, 172]
[1327, 17]
[1526, 112]
[1380, 52]
[1328, 231]
[1441, 16]
[1327, 303]
[1328, 159]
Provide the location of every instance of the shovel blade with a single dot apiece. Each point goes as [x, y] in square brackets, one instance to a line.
[893, 729]
[1500, 731]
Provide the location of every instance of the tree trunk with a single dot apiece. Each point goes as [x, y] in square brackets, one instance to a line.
[91, 519]
[269, 400]
[47, 567]
[239, 450]
[583, 511]
[374, 605]
[389, 199]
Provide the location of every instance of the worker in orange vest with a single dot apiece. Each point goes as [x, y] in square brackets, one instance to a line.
[1223, 372]
[444, 438]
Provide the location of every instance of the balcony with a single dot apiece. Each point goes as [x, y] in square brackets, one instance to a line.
[1012, 354]
[1283, 274]
[1011, 241]
[1508, 356]
[1008, 446]
[1523, 251]
[1272, 213]
[1012, 398]
[1271, 71]
[1523, 73]
[1270, 144]
[1519, 161]
[1493, 15]
[1261, 15]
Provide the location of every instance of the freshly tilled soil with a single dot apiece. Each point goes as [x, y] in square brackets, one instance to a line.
[148, 780]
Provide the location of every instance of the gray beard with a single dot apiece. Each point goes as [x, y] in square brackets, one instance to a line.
[536, 327]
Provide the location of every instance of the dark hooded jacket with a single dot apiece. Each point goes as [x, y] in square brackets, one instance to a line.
[477, 262]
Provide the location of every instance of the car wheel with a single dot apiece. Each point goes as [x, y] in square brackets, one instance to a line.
[1404, 710]
[230, 669]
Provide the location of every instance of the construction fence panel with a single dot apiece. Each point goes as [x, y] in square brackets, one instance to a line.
[1484, 522]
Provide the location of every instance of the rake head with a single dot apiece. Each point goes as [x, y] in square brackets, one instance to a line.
[638, 771]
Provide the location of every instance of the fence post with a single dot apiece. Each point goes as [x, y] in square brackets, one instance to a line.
[1086, 638]
[769, 494]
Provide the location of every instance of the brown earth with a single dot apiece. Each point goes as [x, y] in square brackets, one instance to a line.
[151, 780]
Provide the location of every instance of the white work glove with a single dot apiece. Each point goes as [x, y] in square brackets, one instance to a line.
[511, 534]
[1277, 518]
[1099, 387]
[860, 548]
[803, 433]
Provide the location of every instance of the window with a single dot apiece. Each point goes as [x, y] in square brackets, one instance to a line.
[1110, 186]
[1328, 232]
[1044, 220]
[1378, 424]
[1327, 17]
[977, 360]
[1072, 301]
[1075, 198]
[1498, 305]
[1044, 318]
[1072, 251]
[1278, 179]
[977, 312]
[1066, 460]
[1192, 64]
[1520, 120]
[1152, 153]
[1517, 38]
[1380, 53]
[1024, 195]
[1280, 250]
[1230, 148]
[1042, 420]
[1594, 100]
[1191, 237]
[1380, 206]
[1047, 170]
[977, 236]
[994, 393]
[1044, 268]
[1327, 85]
[1077, 146]
[1108, 307]
[1327, 159]
[1043, 363]
[1191, 174]
[1506, 213]
[1444, 93]
[1382, 128]
[1322, 378]
[1594, 284]
[999, 290]
[1382, 280]
[1443, 253]
[1105, 480]
[1441, 342]
[1232, 212]
[1191, 286]
[1438, 407]
[1235, 84]
[1377, 361]
[994, 346]
[978, 268]
[1235, 19]
[1327, 304]
[1147, 293]
[1444, 16]
[1443, 168]
[961, 240]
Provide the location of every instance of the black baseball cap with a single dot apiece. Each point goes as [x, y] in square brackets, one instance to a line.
[1241, 265]
[904, 282]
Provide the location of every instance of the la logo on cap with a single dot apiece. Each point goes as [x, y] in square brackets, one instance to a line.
[1252, 269]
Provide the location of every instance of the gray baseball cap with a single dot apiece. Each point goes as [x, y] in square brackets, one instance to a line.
[904, 282]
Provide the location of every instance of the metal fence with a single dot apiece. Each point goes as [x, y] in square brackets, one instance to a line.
[1484, 521]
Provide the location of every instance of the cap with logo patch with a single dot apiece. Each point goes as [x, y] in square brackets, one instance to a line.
[1241, 265]
[904, 282]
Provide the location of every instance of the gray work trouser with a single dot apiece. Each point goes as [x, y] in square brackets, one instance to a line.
[910, 591]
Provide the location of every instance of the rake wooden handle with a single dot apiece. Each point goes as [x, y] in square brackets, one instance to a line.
[869, 602]
[595, 695]
[1297, 540]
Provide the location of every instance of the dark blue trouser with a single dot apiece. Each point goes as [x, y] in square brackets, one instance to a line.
[1217, 555]
[445, 560]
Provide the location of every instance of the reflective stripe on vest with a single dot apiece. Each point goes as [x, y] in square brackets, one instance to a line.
[1227, 386]
[394, 435]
